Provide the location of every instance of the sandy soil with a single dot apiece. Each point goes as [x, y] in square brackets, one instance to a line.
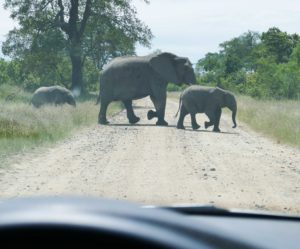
[237, 168]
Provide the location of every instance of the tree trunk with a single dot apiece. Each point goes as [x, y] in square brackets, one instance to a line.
[75, 30]
[77, 69]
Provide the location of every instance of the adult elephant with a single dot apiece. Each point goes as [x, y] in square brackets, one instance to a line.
[56, 95]
[208, 100]
[129, 78]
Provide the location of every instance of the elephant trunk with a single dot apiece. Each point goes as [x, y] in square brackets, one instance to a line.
[192, 80]
[231, 104]
[233, 108]
[233, 118]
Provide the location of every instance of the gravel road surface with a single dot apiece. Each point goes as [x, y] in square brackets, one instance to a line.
[236, 168]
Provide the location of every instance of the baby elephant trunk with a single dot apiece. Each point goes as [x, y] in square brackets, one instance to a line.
[233, 108]
[231, 104]
[233, 118]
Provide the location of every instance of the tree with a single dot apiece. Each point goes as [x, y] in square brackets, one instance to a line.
[234, 60]
[238, 52]
[210, 62]
[279, 44]
[82, 29]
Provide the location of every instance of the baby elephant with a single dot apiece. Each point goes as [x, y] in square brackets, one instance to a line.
[208, 100]
[56, 95]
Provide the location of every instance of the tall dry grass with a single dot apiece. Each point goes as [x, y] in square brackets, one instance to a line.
[278, 119]
[23, 127]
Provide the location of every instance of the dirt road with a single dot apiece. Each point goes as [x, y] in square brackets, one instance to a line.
[162, 165]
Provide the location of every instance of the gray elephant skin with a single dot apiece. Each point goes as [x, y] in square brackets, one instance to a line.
[55, 95]
[130, 78]
[208, 100]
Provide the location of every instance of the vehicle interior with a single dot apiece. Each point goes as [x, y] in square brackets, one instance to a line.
[150, 124]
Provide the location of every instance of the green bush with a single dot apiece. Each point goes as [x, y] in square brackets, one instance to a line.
[175, 88]
[263, 65]
[12, 93]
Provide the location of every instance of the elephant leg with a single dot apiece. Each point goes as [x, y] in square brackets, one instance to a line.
[183, 113]
[160, 105]
[208, 124]
[102, 114]
[195, 126]
[218, 113]
[211, 116]
[192, 109]
[152, 114]
[130, 114]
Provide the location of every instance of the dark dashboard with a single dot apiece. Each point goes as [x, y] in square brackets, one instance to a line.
[101, 223]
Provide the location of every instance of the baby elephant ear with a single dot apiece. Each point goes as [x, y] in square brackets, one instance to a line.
[164, 65]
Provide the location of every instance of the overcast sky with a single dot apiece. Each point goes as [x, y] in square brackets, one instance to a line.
[193, 28]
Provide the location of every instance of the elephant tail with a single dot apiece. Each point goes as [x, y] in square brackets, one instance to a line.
[180, 102]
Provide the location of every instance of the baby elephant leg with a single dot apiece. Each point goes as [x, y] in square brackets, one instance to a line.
[212, 119]
[195, 126]
[183, 113]
[218, 113]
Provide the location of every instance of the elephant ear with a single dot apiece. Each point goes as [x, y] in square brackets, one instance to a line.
[164, 65]
[219, 96]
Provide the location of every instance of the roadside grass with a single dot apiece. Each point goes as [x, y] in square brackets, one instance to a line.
[277, 119]
[23, 127]
[10, 93]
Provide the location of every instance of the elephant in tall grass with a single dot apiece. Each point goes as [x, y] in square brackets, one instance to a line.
[56, 95]
[130, 78]
[208, 100]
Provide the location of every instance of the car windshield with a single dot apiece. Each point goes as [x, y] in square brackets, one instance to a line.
[157, 102]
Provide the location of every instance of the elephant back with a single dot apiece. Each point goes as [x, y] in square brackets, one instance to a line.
[52, 95]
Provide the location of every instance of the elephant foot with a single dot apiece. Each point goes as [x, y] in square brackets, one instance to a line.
[103, 122]
[216, 129]
[162, 123]
[207, 124]
[134, 120]
[195, 126]
[151, 114]
[180, 126]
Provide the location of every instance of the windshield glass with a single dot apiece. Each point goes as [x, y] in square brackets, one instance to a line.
[154, 102]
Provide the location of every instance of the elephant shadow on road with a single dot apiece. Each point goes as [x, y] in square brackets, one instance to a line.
[213, 132]
[189, 129]
[141, 107]
[142, 125]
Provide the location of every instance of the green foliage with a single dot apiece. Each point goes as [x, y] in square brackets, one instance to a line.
[12, 93]
[279, 44]
[262, 66]
[65, 42]
[91, 76]
[175, 88]
[3, 71]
